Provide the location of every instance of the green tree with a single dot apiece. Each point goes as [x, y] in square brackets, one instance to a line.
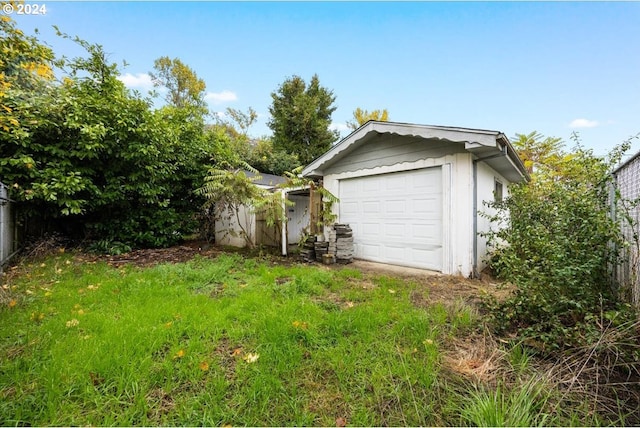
[259, 153]
[360, 117]
[300, 118]
[539, 152]
[94, 159]
[237, 128]
[243, 121]
[182, 83]
[25, 66]
[265, 158]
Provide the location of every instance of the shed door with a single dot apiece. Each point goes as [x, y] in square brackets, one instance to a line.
[298, 218]
[396, 218]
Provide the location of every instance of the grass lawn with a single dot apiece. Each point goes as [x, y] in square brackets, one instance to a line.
[236, 341]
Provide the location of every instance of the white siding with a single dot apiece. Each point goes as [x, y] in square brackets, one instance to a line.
[380, 148]
[486, 177]
[8, 241]
[228, 231]
[388, 150]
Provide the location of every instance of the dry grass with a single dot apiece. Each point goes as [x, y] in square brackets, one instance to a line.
[477, 357]
[604, 376]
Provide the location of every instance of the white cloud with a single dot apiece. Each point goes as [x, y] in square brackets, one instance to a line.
[220, 97]
[139, 80]
[341, 127]
[583, 123]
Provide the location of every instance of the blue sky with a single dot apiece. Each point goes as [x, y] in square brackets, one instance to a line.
[515, 67]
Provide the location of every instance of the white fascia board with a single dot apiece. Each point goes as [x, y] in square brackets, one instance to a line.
[522, 174]
[265, 187]
[287, 190]
[514, 158]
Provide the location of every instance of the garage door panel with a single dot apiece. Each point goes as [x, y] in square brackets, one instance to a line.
[395, 207]
[371, 186]
[349, 207]
[424, 186]
[371, 207]
[426, 206]
[425, 233]
[398, 230]
[395, 253]
[395, 183]
[349, 186]
[369, 251]
[370, 229]
[396, 218]
[418, 256]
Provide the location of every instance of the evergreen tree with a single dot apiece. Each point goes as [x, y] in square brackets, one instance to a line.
[300, 118]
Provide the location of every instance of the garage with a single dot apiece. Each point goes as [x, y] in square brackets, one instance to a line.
[396, 217]
[415, 195]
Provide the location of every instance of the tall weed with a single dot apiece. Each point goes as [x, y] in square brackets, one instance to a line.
[502, 407]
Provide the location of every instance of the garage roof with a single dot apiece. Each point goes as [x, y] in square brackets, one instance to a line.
[493, 147]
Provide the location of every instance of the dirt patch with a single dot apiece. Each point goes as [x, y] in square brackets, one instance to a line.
[333, 301]
[187, 251]
[446, 288]
[419, 299]
[227, 354]
[432, 286]
[324, 396]
[154, 256]
[159, 403]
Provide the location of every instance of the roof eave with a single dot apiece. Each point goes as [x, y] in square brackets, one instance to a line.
[475, 140]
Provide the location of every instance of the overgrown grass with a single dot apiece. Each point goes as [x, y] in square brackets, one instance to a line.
[237, 341]
[521, 407]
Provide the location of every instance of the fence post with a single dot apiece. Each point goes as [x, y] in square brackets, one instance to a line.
[8, 244]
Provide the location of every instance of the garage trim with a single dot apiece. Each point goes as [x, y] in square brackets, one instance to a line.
[450, 238]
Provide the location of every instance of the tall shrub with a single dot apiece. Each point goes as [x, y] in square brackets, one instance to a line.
[90, 157]
[557, 245]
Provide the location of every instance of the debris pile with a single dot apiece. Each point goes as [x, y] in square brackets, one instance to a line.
[308, 251]
[337, 248]
[343, 243]
[322, 248]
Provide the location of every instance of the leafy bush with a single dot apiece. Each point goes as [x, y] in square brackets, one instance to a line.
[88, 156]
[557, 246]
[105, 246]
[265, 158]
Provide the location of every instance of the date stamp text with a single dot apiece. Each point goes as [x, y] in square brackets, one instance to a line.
[24, 9]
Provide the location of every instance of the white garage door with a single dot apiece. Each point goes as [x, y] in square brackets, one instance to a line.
[396, 218]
